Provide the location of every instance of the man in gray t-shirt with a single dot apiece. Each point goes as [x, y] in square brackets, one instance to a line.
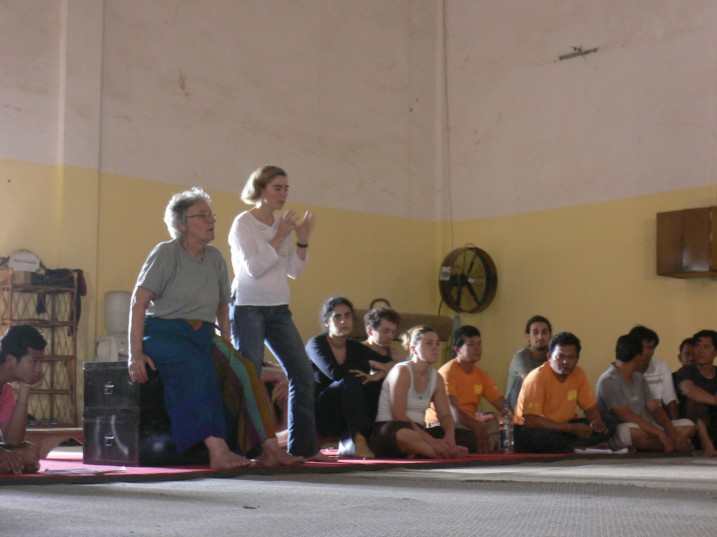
[538, 332]
[624, 399]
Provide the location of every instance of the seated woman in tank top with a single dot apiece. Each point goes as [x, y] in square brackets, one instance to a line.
[408, 390]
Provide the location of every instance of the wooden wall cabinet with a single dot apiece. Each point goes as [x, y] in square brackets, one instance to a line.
[686, 245]
[49, 307]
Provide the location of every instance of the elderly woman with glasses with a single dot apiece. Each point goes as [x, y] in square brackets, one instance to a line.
[212, 393]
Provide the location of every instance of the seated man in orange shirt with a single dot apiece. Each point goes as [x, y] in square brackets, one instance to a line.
[545, 416]
[466, 384]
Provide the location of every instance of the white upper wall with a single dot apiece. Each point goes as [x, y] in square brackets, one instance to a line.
[529, 132]
[30, 32]
[339, 93]
[347, 96]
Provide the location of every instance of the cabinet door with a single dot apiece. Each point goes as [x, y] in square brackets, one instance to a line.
[108, 386]
[112, 439]
[686, 243]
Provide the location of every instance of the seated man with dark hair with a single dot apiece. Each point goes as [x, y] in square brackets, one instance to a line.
[545, 416]
[21, 353]
[381, 325]
[698, 381]
[625, 400]
[538, 332]
[466, 385]
[656, 372]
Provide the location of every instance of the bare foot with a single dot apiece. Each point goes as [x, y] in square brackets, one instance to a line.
[284, 459]
[228, 460]
[221, 457]
[362, 449]
[10, 463]
[460, 451]
[287, 459]
[275, 456]
[31, 468]
[321, 457]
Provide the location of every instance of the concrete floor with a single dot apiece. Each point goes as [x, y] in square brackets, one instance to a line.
[652, 497]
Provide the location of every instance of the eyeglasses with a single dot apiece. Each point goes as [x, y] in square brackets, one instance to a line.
[204, 216]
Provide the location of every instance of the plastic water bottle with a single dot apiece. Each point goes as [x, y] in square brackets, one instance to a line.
[506, 429]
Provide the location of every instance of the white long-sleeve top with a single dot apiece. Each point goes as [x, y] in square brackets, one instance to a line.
[260, 272]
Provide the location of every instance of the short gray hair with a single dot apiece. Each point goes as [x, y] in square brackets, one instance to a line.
[176, 210]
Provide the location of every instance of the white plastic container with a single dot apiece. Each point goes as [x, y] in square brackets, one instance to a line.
[117, 312]
[114, 346]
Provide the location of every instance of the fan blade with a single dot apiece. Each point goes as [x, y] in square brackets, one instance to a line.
[472, 292]
[460, 285]
[470, 267]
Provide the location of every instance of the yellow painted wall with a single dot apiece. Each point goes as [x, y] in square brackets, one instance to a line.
[591, 270]
[355, 254]
[28, 194]
[53, 212]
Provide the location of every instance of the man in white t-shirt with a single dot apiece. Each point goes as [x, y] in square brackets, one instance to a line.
[656, 372]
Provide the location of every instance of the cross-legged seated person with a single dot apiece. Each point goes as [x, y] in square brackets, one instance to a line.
[381, 325]
[347, 378]
[466, 385]
[212, 393]
[698, 382]
[409, 388]
[21, 353]
[625, 400]
[545, 416]
[656, 372]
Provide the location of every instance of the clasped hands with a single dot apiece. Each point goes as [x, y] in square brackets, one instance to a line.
[582, 430]
[289, 222]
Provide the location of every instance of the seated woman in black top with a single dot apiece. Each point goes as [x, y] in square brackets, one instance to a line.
[348, 377]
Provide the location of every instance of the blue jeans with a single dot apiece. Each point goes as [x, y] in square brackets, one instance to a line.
[252, 326]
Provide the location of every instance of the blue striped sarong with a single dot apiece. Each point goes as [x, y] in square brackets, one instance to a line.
[209, 388]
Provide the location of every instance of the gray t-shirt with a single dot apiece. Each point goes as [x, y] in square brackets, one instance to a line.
[614, 391]
[521, 364]
[186, 287]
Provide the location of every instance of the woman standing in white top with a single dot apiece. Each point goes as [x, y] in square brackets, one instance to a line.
[263, 256]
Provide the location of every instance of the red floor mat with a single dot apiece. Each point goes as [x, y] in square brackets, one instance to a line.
[70, 469]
